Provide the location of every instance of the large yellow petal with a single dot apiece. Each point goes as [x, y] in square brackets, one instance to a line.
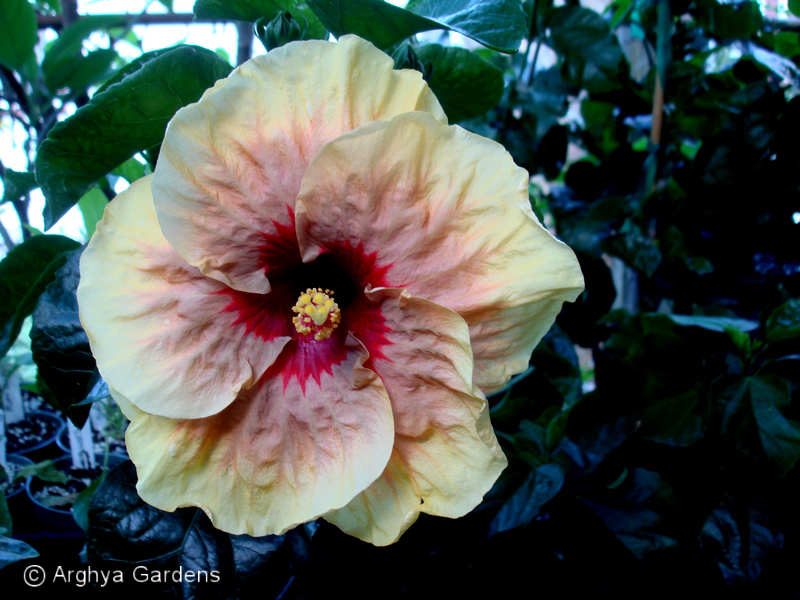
[446, 456]
[447, 215]
[231, 165]
[282, 454]
[158, 328]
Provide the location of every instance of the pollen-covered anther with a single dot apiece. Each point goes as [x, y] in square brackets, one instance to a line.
[317, 313]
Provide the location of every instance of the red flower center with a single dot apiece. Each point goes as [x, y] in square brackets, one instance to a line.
[318, 330]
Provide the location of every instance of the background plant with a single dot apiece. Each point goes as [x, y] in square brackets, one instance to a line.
[653, 441]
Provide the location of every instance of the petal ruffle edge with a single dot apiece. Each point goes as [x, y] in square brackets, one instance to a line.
[279, 456]
[447, 215]
[231, 164]
[156, 325]
[446, 455]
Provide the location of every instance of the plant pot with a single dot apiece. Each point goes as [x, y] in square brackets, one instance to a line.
[18, 504]
[117, 447]
[35, 437]
[60, 518]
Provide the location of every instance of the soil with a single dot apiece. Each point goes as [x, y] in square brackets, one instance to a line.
[34, 403]
[31, 432]
[61, 496]
[9, 486]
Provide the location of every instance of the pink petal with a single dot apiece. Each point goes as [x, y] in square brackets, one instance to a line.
[280, 455]
[446, 456]
[231, 165]
[447, 216]
[158, 328]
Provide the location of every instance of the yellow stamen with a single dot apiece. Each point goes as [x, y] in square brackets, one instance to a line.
[316, 313]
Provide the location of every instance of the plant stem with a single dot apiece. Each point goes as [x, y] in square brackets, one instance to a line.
[9, 243]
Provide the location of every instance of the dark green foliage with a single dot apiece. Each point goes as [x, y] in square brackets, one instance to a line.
[592, 55]
[17, 185]
[20, 33]
[753, 412]
[740, 538]
[25, 272]
[526, 502]
[64, 66]
[12, 550]
[60, 345]
[784, 322]
[123, 527]
[126, 118]
[466, 85]
[497, 24]
[262, 10]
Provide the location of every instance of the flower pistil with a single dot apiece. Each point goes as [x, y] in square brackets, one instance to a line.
[317, 313]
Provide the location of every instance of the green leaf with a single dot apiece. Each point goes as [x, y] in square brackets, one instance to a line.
[497, 24]
[80, 508]
[253, 10]
[131, 68]
[674, 420]
[787, 43]
[64, 65]
[99, 391]
[53, 6]
[784, 322]
[730, 20]
[524, 504]
[45, 470]
[92, 205]
[12, 551]
[754, 417]
[16, 184]
[59, 344]
[131, 170]
[739, 538]
[633, 509]
[634, 248]
[5, 515]
[124, 531]
[466, 85]
[128, 117]
[20, 33]
[25, 272]
[381, 23]
[780, 437]
[720, 324]
[548, 100]
[592, 53]
[794, 7]
[236, 10]
[82, 71]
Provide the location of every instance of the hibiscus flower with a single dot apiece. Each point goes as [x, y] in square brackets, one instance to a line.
[302, 309]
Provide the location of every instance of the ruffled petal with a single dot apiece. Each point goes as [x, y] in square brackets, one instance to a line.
[158, 328]
[282, 454]
[231, 165]
[447, 216]
[446, 456]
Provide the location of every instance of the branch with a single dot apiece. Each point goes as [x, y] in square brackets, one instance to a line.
[57, 22]
[6, 238]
